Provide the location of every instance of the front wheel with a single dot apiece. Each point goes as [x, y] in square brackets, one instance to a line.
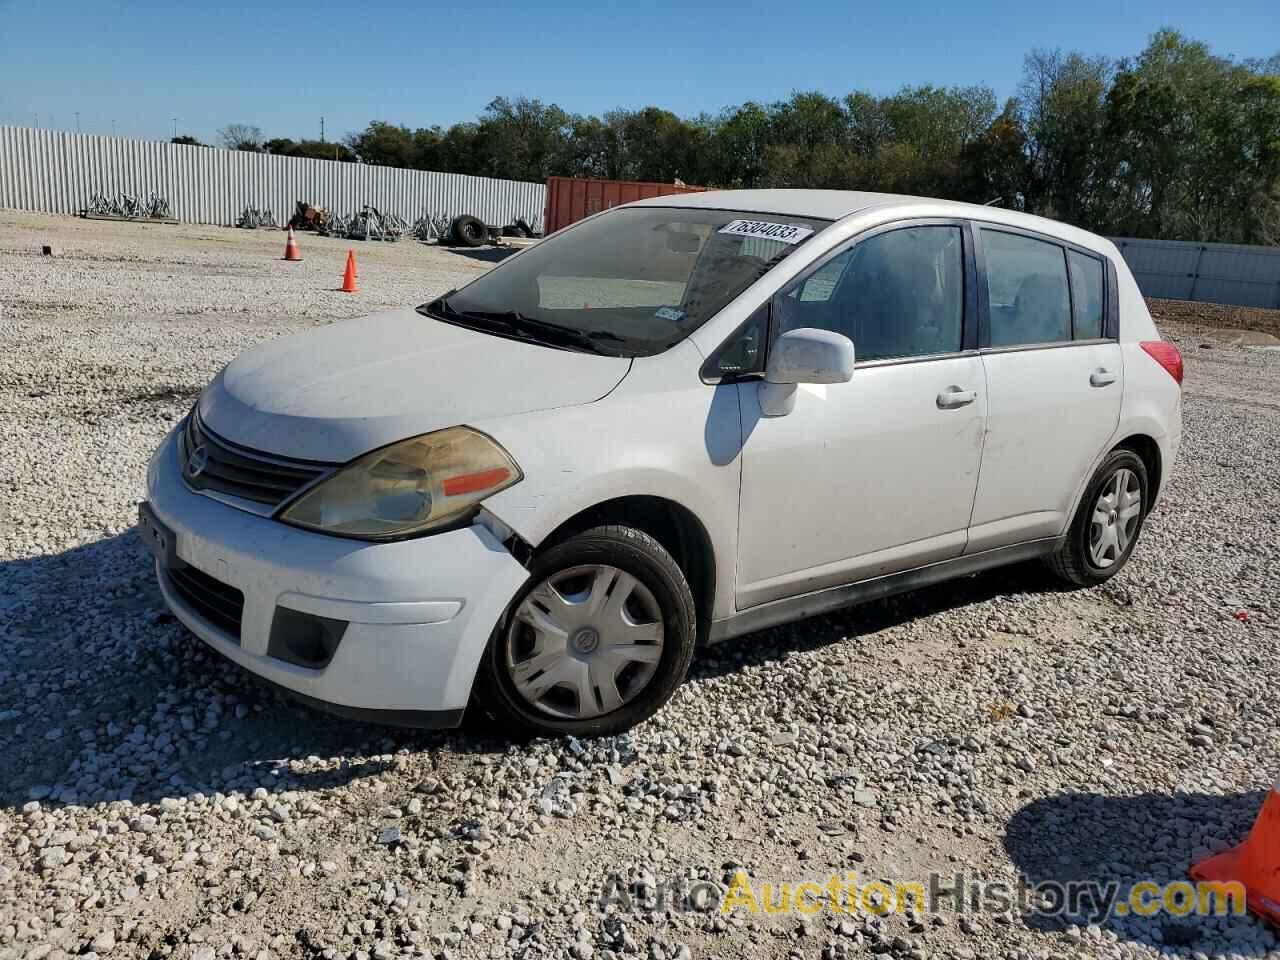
[596, 642]
[1107, 522]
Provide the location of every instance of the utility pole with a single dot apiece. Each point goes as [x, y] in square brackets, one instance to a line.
[175, 128]
[77, 121]
[322, 129]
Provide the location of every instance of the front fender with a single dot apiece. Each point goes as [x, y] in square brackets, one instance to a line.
[682, 445]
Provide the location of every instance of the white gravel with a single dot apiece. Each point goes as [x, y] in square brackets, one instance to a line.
[156, 801]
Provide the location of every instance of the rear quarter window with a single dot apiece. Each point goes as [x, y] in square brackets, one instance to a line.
[1088, 283]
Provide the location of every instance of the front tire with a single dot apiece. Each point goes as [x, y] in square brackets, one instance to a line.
[597, 640]
[1105, 528]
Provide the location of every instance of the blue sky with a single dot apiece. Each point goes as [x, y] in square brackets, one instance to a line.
[282, 65]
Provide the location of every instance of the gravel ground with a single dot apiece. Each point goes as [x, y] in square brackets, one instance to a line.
[157, 802]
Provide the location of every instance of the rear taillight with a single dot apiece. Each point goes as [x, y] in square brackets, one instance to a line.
[1165, 354]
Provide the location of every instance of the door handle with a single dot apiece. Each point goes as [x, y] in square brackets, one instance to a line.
[953, 397]
[1102, 377]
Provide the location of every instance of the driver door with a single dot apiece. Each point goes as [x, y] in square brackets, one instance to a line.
[876, 475]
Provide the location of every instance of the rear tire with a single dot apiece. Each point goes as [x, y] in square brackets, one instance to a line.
[560, 661]
[1107, 523]
[469, 231]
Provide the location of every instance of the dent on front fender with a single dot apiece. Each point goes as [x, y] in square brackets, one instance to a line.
[662, 433]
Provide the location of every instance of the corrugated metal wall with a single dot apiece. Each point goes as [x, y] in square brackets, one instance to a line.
[1209, 272]
[56, 172]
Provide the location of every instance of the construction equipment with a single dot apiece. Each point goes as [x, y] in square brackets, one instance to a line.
[432, 226]
[251, 218]
[127, 206]
[307, 217]
[372, 224]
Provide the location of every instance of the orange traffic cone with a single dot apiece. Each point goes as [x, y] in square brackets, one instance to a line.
[291, 251]
[349, 276]
[1255, 863]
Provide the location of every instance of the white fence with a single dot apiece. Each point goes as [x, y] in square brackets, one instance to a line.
[57, 172]
[1232, 273]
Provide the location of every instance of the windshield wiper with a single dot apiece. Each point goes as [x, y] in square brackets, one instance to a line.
[571, 334]
[516, 323]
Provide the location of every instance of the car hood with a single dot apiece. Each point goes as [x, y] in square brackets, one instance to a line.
[334, 393]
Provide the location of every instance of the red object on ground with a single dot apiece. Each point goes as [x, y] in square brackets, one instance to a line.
[570, 200]
[1255, 863]
[291, 251]
[349, 275]
[1242, 615]
[1165, 354]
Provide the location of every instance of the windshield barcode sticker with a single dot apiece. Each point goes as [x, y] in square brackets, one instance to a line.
[764, 230]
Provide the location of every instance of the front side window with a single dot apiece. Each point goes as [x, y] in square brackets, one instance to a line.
[633, 282]
[1027, 290]
[896, 294]
[1087, 283]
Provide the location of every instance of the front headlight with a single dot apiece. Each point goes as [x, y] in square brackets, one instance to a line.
[410, 487]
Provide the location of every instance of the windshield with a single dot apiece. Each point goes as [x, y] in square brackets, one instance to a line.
[631, 283]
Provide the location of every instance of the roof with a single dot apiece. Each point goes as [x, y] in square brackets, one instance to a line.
[838, 204]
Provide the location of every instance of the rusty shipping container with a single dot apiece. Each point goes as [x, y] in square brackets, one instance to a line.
[570, 200]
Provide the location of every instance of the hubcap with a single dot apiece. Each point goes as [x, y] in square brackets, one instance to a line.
[1115, 518]
[584, 642]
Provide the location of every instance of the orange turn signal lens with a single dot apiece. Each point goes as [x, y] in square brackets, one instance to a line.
[475, 482]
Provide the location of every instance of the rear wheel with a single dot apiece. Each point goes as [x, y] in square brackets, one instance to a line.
[596, 642]
[1107, 522]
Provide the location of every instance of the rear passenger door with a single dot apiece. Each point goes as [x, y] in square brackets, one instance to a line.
[1054, 381]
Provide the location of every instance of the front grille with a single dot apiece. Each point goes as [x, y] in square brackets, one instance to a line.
[219, 603]
[239, 472]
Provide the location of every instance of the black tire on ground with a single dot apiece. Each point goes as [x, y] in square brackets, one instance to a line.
[1073, 561]
[633, 552]
[521, 225]
[469, 231]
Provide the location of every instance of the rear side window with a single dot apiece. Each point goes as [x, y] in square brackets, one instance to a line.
[1088, 279]
[896, 294]
[1027, 290]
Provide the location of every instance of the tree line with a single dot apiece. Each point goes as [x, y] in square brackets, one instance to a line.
[1173, 143]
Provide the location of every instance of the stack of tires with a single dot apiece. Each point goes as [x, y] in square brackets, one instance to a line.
[469, 231]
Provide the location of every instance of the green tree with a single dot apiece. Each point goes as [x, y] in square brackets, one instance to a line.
[314, 149]
[654, 145]
[1195, 140]
[936, 124]
[521, 139]
[383, 144]
[737, 145]
[994, 167]
[1063, 101]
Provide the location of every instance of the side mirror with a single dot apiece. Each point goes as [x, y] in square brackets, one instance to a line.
[808, 355]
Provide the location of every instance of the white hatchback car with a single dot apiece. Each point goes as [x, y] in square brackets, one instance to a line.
[680, 420]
